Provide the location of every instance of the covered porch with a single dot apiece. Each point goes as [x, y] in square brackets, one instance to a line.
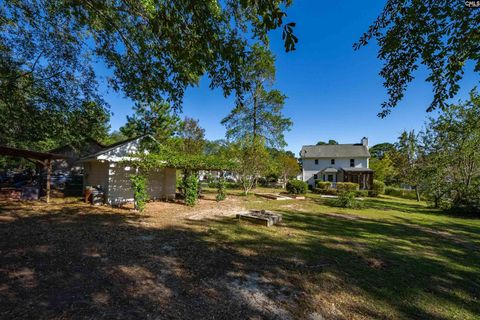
[362, 176]
[332, 175]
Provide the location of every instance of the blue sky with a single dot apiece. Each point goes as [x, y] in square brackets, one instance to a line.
[333, 92]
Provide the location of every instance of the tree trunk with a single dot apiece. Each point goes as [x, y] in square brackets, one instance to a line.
[254, 115]
[417, 193]
[49, 178]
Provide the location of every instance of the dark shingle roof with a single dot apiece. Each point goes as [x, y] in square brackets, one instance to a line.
[335, 151]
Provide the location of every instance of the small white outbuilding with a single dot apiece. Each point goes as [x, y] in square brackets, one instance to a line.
[105, 169]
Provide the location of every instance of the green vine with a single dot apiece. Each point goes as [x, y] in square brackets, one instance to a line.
[166, 158]
[221, 186]
[140, 195]
[190, 187]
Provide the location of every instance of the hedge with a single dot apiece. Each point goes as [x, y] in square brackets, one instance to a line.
[324, 185]
[334, 192]
[401, 193]
[347, 186]
[330, 192]
[296, 187]
[361, 193]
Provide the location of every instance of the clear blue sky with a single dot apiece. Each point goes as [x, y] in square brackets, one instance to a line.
[333, 92]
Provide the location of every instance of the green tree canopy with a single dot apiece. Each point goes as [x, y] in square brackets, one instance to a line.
[440, 35]
[258, 112]
[384, 168]
[380, 150]
[156, 119]
[252, 160]
[192, 136]
[453, 157]
[26, 126]
[320, 143]
[155, 49]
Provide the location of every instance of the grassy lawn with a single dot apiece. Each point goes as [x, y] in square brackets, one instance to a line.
[393, 259]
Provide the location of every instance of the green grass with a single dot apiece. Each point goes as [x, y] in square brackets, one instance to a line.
[394, 258]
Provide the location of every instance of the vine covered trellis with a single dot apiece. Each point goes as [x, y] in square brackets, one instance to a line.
[190, 164]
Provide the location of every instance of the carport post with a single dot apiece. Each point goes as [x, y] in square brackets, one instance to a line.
[49, 177]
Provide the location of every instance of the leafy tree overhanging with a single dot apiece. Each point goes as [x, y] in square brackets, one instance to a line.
[440, 35]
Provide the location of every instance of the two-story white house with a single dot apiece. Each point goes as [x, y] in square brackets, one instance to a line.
[337, 163]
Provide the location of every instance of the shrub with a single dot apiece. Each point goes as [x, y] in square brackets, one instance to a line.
[233, 185]
[401, 193]
[324, 185]
[263, 182]
[378, 188]
[190, 187]
[361, 193]
[346, 199]
[296, 187]
[330, 192]
[221, 186]
[140, 195]
[347, 186]
[212, 185]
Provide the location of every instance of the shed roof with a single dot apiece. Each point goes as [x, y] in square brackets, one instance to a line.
[90, 146]
[115, 146]
[335, 151]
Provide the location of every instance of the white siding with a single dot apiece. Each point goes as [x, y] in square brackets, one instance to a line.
[108, 171]
[119, 185]
[96, 174]
[310, 168]
[161, 184]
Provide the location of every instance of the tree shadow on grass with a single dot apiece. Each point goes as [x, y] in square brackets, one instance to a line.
[87, 262]
[387, 263]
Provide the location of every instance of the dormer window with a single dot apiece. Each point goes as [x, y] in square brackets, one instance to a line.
[352, 162]
[316, 161]
[332, 161]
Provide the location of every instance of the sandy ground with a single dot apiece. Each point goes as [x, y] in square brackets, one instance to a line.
[75, 261]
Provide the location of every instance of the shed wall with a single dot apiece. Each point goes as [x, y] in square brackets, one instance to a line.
[96, 173]
[161, 184]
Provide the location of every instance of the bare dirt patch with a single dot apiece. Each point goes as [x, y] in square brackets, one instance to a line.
[79, 261]
[164, 213]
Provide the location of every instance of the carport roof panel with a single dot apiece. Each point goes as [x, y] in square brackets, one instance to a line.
[29, 154]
